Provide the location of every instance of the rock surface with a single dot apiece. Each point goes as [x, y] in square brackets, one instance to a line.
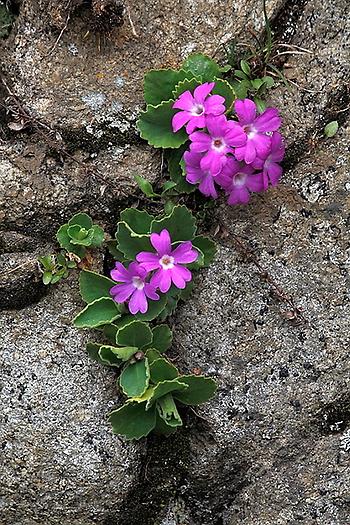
[272, 447]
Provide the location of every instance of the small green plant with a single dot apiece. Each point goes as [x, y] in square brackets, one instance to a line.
[246, 85]
[55, 267]
[78, 234]
[331, 129]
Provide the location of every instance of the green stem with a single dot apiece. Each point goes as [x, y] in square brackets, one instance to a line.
[168, 411]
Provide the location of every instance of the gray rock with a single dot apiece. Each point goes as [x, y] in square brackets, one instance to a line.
[272, 447]
[60, 462]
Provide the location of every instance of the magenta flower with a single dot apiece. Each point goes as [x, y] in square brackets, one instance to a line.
[195, 175]
[239, 179]
[133, 288]
[222, 138]
[271, 170]
[168, 262]
[258, 144]
[195, 108]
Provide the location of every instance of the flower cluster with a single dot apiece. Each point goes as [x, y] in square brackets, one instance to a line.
[240, 156]
[153, 271]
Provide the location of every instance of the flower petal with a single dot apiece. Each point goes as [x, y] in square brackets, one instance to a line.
[239, 196]
[262, 145]
[180, 119]
[150, 292]
[161, 242]
[274, 172]
[185, 101]
[195, 123]
[122, 292]
[207, 186]
[180, 275]
[246, 110]
[250, 151]
[120, 273]
[138, 302]
[255, 182]
[201, 92]
[269, 120]
[200, 141]
[162, 280]
[184, 253]
[216, 125]
[149, 261]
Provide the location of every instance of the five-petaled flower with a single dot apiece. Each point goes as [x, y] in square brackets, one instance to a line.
[258, 144]
[134, 287]
[223, 136]
[168, 262]
[239, 179]
[195, 108]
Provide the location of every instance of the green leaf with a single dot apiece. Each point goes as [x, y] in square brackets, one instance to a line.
[154, 309]
[164, 388]
[207, 247]
[224, 89]
[94, 286]
[198, 263]
[134, 378]
[167, 410]
[257, 83]
[162, 370]
[245, 67]
[331, 129]
[160, 83]
[162, 428]
[47, 276]
[113, 250]
[145, 186]
[186, 85]
[108, 357]
[47, 261]
[92, 350]
[152, 355]
[155, 126]
[241, 75]
[110, 332]
[167, 187]
[98, 236]
[181, 224]
[268, 81]
[202, 66]
[132, 421]
[200, 390]
[131, 243]
[65, 242]
[63, 237]
[138, 221]
[241, 88]
[260, 104]
[145, 396]
[176, 170]
[82, 219]
[136, 334]
[162, 337]
[97, 313]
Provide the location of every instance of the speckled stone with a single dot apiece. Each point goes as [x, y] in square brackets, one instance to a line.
[60, 463]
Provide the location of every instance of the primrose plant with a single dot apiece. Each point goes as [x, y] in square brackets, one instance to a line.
[212, 138]
[156, 257]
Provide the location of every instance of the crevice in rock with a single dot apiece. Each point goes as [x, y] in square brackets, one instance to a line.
[337, 108]
[285, 22]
